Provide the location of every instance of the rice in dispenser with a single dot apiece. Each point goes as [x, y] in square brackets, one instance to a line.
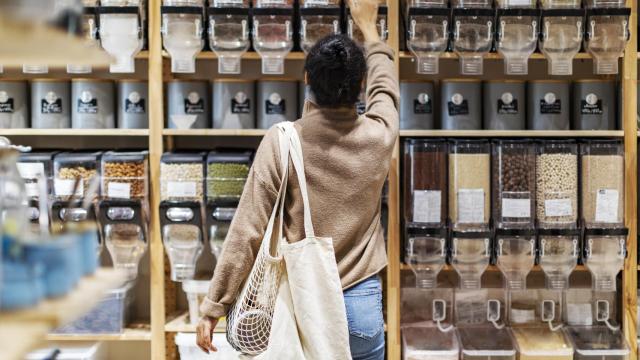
[318, 18]
[188, 104]
[557, 184]
[473, 27]
[182, 32]
[517, 28]
[548, 105]
[229, 33]
[92, 104]
[504, 105]
[469, 185]
[607, 33]
[121, 33]
[381, 22]
[594, 105]
[416, 105]
[428, 32]
[461, 104]
[277, 101]
[273, 33]
[89, 32]
[234, 104]
[562, 34]
[50, 104]
[14, 108]
[133, 99]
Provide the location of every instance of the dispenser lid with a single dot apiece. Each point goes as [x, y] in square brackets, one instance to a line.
[425, 231]
[486, 341]
[421, 340]
[130, 156]
[516, 232]
[171, 157]
[77, 157]
[243, 157]
[597, 341]
[36, 156]
[471, 234]
[607, 232]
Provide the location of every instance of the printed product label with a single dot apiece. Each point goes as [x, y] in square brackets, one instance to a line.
[470, 206]
[426, 206]
[558, 207]
[579, 314]
[458, 105]
[240, 104]
[30, 170]
[591, 105]
[6, 103]
[316, 2]
[422, 104]
[181, 188]
[507, 105]
[193, 104]
[516, 208]
[550, 104]
[64, 187]
[607, 206]
[134, 104]
[51, 104]
[275, 105]
[119, 190]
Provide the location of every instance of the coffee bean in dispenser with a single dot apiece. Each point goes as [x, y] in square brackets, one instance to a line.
[50, 102]
[548, 105]
[14, 111]
[504, 105]
[234, 104]
[416, 105]
[277, 101]
[92, 104]
[133, 102]
[460, 104]
[594, 105]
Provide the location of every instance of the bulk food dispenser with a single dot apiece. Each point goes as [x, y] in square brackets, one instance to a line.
[123, 208]
[356, 34]
[229, 33]
[428, 32]
[182, 32]
[607, 33]
[273, 33]
[181, 195]
[36, 169]
[89, 32]
[318, 18]
[121, 32]
[473, 27]
[562, 33]
[227, 173]
[517, 28]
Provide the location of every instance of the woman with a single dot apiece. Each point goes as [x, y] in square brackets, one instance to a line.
[346, 163]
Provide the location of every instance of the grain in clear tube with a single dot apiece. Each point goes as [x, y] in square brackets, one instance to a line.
[601, 172]
[556, 179]
[470, 172]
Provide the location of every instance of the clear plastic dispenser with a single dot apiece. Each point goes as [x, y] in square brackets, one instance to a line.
[121, 32]
[36, 169]
[469, 185]
[89, 32]
[562, 34]
[426, 254]
[219, 216]
[318, 18]
[273, 33]
[516, 254]
[473, 28]
[182, 236]
[229, 33]
[517, 28]
[383, 29]
[470, 255]
[557, 184]
[607, 33]
[428, 32]
[558, 255]
[598, 343]
[605, 250]
[540, 343]
[182, 32]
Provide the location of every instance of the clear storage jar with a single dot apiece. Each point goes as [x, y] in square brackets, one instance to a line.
[381, 24]
[562, 26]
[227, 173]
[219, 216]
[428, 33]
[126, 244]
[182, 236]
[124, 175]
[517, 31]
[473, 29]
[121, 33]
[469, 184]
[229, 31]
[182, 177]
[426, 254]
[182, 28]
[273, 33]
[71, 167]
[557, 184]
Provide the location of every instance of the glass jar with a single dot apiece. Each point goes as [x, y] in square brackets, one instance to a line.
[124, 175]
[428, 33]
[469, 184]
[473, 27]
[558, 255]
[182, 29]
[557, 184]
[516, 254]
[470, 255]
[70, 168]
[605, 250]
[227, 173]
[182, 177]
[229, 33]
[121, 32]
[517, 34]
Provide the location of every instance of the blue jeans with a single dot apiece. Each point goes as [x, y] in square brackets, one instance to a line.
[366, 324]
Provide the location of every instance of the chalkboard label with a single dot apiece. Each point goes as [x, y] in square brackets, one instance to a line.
[240, 104]
[88, 107]
[54, 107]
[193, 104]
[6, 107]
[550, 104]
[275, 105]
[422, 105]
[591, 105]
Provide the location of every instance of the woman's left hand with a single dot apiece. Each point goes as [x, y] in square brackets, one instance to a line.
[204, 333]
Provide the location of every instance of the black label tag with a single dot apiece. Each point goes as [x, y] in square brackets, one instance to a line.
[275, 109]
[588, 109]
[51, 108]
[89, 107]
[507, 109]
[7, 106]
[553, 108]
[462, 109]
[242, 107]
[420, 108]
[361, 107]
[197, 108]
[134, 108]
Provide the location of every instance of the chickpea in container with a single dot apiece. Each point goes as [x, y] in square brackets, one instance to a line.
[70, 166]
[124, 175]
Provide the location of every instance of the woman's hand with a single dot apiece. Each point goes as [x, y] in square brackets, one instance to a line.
[204, 332]
[365, 15]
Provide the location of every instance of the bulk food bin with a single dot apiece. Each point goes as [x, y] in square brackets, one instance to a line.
[124, 175]
[318, 19]
[234, 104]
[273, 25]
[486, 343]
[428, 343]
[515, 255]
[229, 33]
[548, 105]
[227, 173]
[92, 104]
[426, 254]
[469, 184]
[504, 105]
[559, 253]
[14, 105]
[598, 343]
[219, 215]
[182, 31]
[68, 167]
[188, 104]
[182, 236]
[473, 32]
[416, 105]
[461, 104]
[605, 250]
[277, 102]
[518, 27]
[132, 104]
[594, 105]
[50, 104]
[428, 32]
[182, 177]
[540, 343]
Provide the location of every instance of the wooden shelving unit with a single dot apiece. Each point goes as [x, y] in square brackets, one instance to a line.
[140, 332]
[180, 323]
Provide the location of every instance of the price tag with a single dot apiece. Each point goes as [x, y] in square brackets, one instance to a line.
[30, 170]
[427, 206]
[558, 207]
[516, 208]
[470, 206]
[64, 187]
[181, 188]
[119, 190]
[607, 206]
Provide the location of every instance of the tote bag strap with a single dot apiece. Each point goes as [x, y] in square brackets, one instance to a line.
[298, 164]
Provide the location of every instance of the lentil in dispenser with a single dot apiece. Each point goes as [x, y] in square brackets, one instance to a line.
[273, 33]
[562, 34]
[121, 33]
[607, 33]
[517, 23]
[182, 32]
[318, 19]
[473, 27]
[428, 32]
[229, 33]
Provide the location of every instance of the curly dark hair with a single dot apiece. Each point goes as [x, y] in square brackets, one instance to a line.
[335, 69]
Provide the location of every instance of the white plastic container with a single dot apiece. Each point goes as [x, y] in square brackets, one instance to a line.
[72, 351]
[190, 351]
[196, 290]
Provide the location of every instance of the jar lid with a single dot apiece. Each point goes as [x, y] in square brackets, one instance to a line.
[558, 232]
[229, 157]
[36, 157]
[183, 157]
[77, 157]
[607, 232]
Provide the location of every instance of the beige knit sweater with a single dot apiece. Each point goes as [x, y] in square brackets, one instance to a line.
[346, 160]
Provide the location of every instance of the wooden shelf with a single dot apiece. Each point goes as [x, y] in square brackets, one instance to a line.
[180, 323]
[493, 56]
[214, 132]
[249, 55]
[141, 332]
[74, 132]
[511, 133]
[492, 268]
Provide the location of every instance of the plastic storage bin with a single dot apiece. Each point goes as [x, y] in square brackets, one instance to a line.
[557, 184]
[234, 104]
[33, 166]
[605, 250]
[548, 105]
[71, 351]
[14, 105]
[504, 105]
[277, 101]
[594, 105]
[486, 343]
[539, 343]
[133, 102]
[227, 173]
[196, 291]
[188, 105]
[461, 104]
[50, 104]
[182, 177]
[71, 166]
[92, 104]
[416, 105]
[559, 252]
[428, 343]
[598, 343]
[110, 316]
[189, 350]
[124, 175]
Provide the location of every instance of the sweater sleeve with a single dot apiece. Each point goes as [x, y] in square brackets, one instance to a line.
[247, 228]
[383, 94]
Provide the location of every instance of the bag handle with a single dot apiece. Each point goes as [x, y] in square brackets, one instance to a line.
[298, 164]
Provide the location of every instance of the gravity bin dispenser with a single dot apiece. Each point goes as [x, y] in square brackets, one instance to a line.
[273, 33]
[607, 33]
[473, 29]
[382, 25]
[182, 32]
[121, 34]
[562, 34]
[229, 33]
[318, 18]
[428, 32]
[89, 32]
[517, 31]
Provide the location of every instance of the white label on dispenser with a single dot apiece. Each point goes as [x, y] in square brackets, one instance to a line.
[607, 205]
[522, 316]
[181, 188]
[32, 189]
[316, 2]
[119, 190]
[579, 315]
[426, 206]
[30, 170]
[64, 187]
[470, 206]
[558, 207]
[518, 2]
[516, 208]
